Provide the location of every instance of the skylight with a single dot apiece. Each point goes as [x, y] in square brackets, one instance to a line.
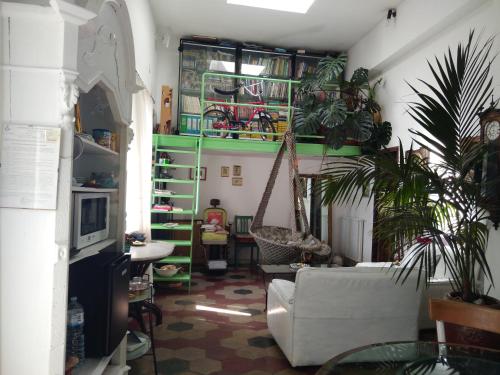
[295, 6]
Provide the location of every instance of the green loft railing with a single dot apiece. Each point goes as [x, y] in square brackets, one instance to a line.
[288, 82]
[203, 102]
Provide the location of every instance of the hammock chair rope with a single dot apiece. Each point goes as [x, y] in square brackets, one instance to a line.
[281, 245]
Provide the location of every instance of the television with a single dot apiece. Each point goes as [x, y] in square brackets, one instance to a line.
[90, 218]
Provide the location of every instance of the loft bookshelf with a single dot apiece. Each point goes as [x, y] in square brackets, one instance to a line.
[305, 65]
[197, 57]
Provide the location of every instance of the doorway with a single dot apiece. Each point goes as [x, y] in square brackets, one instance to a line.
[382, 250]
[320, 217]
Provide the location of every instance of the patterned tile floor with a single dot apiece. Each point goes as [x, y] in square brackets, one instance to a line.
[194, 342]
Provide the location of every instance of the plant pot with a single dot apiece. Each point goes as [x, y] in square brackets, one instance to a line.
[471, 336]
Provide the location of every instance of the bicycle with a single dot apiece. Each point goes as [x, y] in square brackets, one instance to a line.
[226, 115]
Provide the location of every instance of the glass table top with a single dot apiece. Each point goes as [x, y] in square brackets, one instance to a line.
[414, 358]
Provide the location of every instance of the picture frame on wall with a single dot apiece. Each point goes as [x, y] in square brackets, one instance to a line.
[237, 181]
[224, 171]
[237, 170]
[203, 173]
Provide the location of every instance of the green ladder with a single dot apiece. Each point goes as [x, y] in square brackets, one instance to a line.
[188, 147]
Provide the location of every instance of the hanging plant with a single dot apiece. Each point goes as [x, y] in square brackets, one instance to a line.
[331, 106]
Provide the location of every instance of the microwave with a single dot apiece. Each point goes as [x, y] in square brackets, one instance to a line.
[90, 218]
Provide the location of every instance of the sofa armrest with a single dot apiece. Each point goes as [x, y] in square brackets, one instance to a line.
[284, 289]
[280, 314]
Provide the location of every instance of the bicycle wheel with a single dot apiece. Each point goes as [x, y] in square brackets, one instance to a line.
[216, 119]
[266, 126]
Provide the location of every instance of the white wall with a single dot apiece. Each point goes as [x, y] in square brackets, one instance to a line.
[418, 26]
[363, 211]
[244, 200]
[167, 73]
[144, 34]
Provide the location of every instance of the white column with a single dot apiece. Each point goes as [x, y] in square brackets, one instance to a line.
[39, 47]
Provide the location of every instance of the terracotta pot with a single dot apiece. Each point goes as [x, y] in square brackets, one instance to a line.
[470, 336]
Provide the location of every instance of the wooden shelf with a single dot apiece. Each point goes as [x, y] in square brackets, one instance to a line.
[91, 250]
[82, 189]
[92, 148]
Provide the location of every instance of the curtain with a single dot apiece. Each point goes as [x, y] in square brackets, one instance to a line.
[138, 200]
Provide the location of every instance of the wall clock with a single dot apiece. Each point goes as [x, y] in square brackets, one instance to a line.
[490, 136]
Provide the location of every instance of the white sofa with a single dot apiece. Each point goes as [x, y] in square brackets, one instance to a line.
[328, 311]
[438, 286]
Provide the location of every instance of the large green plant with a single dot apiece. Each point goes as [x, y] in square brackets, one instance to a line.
[334, 107]
[436, 208]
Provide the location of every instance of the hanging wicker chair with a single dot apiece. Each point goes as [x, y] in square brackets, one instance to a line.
[282, 245]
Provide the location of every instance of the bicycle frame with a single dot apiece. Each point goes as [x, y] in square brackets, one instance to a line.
[232, 112]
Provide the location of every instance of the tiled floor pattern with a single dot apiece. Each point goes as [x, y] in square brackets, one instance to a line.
[194, 342]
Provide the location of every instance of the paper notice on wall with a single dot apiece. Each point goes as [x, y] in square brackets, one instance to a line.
[29, 163]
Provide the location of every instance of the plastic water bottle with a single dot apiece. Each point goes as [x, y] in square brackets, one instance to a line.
[75, 339]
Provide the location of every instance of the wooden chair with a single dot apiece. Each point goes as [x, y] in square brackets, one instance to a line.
[464, 314]
[242, 238]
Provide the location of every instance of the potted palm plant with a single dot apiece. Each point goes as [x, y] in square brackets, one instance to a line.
[437, 208]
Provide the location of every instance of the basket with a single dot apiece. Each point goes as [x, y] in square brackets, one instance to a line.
[273, 252]
[279, 245]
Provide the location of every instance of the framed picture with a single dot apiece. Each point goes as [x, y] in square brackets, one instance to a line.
[203, 173]
[236, 170]
[224, 171]
[237, 181]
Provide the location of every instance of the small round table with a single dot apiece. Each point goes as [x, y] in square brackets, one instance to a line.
[415, 357]
[142, 256]
[140, 259]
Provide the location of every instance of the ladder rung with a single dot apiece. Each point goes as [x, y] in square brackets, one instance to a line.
[171, 150]
[173, 181]
[174, 165]
[180, 196]
[177, 277]
[177, 227]
[184, 212]
[175, 259]
[177, 242]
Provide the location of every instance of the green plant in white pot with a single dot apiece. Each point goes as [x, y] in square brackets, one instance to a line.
[437, 208]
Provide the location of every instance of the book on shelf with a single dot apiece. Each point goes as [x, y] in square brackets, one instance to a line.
[306, 68]
[273, 90]
[190, 80]
[278, 66]
[190, 124]
[208, 58]
[190, 104]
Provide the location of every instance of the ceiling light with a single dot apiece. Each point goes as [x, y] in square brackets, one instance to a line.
[295, 6]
